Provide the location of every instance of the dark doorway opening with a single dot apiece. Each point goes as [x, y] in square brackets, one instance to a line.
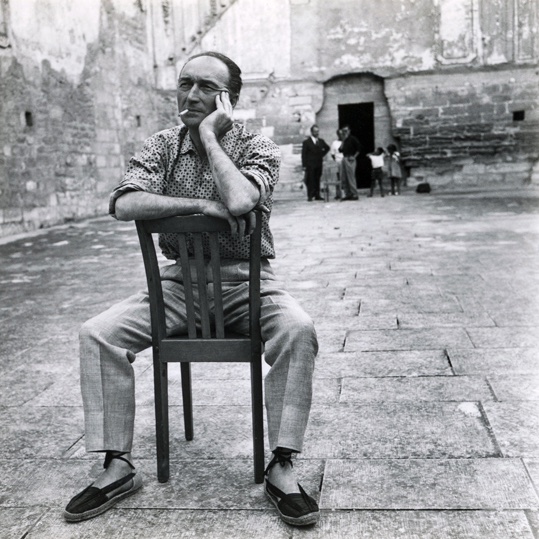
[360, 118]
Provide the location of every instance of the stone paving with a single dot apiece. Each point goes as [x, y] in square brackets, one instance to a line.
[426, 416]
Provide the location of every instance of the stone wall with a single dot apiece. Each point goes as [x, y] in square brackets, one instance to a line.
[82, 84]
[76, 101]
[473, 127]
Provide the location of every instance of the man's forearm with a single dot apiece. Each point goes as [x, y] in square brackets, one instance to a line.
[142, 205]
[237, 192]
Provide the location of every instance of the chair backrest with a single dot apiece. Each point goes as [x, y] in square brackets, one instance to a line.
[200, 230]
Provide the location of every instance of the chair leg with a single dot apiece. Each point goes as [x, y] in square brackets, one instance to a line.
[187, 400]
[257, 403]
[160, 372]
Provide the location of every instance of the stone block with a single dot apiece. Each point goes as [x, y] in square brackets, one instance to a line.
[407, 339]
[503, 338]
[18, 521]
[435, 388]
[185, 524]
[453, 110]
[430, 320]
[381, 364]
[420, 525]
[377, 321]
[23, 429]
[398, 430]
[400, 305]
[488, 484]
[515, 387]
[515, 426]
[532, 465]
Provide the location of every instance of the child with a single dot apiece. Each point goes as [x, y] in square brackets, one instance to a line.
[377, 162]
[395, 171]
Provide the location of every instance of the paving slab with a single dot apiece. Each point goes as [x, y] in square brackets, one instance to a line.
[407, 339]
[166, 524]
[364, 524]
[428, 388]
[18, 521]
[432, 320]
[514, 337]
[489, 484]
[515, 387]
[220, 432]
[399, 430]
[494, 360]
[382, 364]
[532, 465]
[434, 303]
[39, 432]
[516, 427]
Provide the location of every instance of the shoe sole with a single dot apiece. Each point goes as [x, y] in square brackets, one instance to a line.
[79, 517]
[305, 520]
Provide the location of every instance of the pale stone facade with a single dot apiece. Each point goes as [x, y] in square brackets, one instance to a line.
[453, 82]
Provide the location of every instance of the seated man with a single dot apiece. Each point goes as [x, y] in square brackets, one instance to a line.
[212, 166]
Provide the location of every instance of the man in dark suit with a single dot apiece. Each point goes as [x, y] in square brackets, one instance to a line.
[312, 152]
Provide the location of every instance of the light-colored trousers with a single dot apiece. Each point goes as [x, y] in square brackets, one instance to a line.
[110, 341]
[347, 170]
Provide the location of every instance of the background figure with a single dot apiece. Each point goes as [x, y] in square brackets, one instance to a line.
[377, 162]
[337, 156]
[350, 149]
[395, 170]
[312, 153]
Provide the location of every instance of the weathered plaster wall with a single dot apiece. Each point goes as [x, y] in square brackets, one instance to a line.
[77, 98]
[343, 36]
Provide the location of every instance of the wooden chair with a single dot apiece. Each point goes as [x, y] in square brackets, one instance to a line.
[207, 340]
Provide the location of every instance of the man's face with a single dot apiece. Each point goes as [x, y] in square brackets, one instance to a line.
[315, 131]
[345, 132]
[200, 81]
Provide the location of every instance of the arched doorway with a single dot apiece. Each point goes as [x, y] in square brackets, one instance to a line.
[360, 102]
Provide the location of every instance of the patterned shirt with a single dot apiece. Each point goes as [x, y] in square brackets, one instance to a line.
[169, 165]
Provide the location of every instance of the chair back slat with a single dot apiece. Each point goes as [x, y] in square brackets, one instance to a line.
[188, 287]
[202, 286]
[215, 263]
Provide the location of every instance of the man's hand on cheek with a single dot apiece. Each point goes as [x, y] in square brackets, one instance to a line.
[219, 122]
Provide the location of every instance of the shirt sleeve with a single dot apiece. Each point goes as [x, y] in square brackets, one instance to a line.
[260, 163]
[146, 171]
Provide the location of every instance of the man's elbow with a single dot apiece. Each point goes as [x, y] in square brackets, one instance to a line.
[121, 210]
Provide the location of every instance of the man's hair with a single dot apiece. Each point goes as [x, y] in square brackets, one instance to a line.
[234, 72]
[313, 127]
